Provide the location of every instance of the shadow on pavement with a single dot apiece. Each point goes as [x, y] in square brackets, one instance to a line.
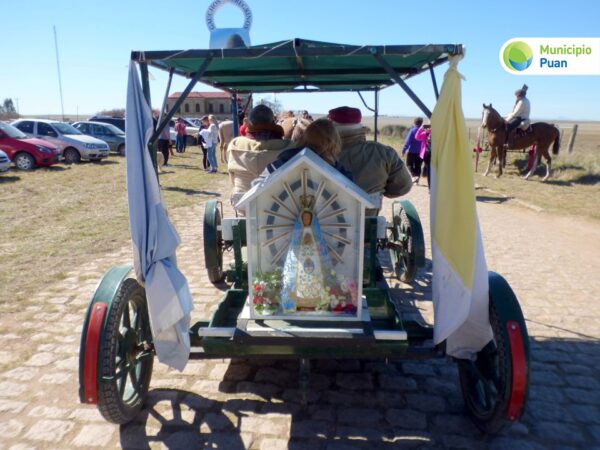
[362, 404]
[492, 199]
[9, 179]
[191, 191]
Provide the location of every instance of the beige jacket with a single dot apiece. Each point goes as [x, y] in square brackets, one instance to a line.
[375, 167]
[247, 159]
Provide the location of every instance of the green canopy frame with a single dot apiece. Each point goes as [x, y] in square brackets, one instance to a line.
[296, 65]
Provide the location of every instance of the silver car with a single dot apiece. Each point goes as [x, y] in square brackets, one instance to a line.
[75, 145]
[113, 136]
[4, 162]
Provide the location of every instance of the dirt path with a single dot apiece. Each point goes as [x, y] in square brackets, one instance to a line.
[551, 262]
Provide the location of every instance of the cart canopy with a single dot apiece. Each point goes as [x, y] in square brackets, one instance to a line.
[301, 65]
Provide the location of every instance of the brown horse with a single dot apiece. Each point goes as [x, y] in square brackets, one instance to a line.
[293, 127]
[541, 135]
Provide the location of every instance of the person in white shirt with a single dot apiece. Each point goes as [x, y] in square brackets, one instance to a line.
[520, 111]
[207, 135]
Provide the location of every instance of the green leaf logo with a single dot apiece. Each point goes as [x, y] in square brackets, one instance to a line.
[517, 56]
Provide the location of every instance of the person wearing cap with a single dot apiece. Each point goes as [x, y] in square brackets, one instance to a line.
[520, 111]
[376, 168]
[249, 155]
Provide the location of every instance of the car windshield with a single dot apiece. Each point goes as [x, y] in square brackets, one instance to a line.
[114, 129]
[65, 128]
[12, 131]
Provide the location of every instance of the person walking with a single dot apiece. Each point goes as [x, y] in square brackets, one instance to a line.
[213, 127]
[423, 135]
[413, 147]
[164, 144]
[207, 134]
[180, 131]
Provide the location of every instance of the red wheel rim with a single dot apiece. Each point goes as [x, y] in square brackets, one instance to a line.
[92, 344]
[519, 370]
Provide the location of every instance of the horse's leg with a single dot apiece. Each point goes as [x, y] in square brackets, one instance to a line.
[501, 153]
[536, 161]
[546, 154]
[491, 161]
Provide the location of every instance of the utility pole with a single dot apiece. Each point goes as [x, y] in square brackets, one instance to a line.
[62, 109]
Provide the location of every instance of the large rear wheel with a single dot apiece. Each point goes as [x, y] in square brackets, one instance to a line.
[213, 241]
[495, 385]
[126, 355]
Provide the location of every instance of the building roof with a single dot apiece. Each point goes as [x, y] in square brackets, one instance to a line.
[196, 94]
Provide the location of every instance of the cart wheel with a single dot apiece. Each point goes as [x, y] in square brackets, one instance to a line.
[126, 355]
[495, 385]
[213, 241]
[403, 254]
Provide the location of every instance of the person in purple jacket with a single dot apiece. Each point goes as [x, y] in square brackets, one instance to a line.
[413, 147]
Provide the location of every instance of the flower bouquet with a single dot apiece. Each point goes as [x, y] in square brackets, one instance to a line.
[266, 292]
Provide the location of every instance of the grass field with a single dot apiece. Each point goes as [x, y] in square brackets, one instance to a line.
[574, 186]
[53, 219]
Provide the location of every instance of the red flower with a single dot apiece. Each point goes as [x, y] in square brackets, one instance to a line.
[350, 308]
[258, 287]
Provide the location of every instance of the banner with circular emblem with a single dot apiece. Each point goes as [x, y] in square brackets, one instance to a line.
[229, 37]
[551, 56]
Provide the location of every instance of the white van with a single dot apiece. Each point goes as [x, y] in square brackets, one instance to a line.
[74, 144]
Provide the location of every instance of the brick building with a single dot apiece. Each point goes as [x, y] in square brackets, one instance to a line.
[198, 104]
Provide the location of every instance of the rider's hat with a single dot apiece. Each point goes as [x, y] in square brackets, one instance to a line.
[522, 91]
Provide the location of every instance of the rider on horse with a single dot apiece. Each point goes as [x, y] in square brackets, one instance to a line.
[520, 111]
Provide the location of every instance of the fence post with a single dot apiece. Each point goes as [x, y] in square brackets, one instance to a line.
[572, 139]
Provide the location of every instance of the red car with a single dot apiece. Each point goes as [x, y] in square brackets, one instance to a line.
[27, 153]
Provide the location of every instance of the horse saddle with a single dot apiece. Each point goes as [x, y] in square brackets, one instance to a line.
[524, 127]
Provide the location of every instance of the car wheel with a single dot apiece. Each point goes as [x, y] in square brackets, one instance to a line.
[72, 156]
[24, 161]
[121, 150]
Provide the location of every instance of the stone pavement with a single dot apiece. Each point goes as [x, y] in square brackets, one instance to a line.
[551, 262]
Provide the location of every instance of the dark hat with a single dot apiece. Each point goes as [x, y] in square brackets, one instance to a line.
[345, 115]
[522, 91]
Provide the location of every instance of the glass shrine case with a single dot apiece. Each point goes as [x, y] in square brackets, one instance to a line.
[305, 234]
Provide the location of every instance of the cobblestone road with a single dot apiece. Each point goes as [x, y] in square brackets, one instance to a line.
[552, 263]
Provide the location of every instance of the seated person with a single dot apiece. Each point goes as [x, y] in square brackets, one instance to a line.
[375, 167]
[249, 155]
[321, 137]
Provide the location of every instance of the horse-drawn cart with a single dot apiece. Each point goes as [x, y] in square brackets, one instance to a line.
[306, 282]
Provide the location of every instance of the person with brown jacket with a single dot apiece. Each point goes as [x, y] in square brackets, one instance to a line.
[249, 155]
[375, 168]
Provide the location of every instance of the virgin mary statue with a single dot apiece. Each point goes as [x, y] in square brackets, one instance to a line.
[307, 271]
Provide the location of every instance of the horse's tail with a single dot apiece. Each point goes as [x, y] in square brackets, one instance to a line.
[556, 146]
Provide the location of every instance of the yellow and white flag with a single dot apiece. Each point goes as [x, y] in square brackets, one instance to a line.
[460, 277]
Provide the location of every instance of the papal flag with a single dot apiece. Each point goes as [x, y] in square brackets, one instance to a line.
[460, 277]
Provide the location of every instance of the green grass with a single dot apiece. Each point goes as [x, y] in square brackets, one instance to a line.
[54, 219]
[574, 185]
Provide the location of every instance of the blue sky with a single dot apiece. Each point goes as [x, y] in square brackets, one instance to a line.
[95, 40]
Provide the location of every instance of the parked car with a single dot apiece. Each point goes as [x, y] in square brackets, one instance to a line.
[27, 153]
[118, 122]
[113, 136]
[74, 144]
[4, 162]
